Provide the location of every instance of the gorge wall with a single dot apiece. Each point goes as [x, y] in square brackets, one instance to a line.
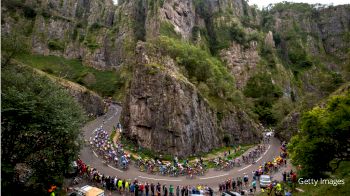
[221, 69]
[165, 112]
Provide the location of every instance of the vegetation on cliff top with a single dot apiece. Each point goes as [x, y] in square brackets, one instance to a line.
[105, 83]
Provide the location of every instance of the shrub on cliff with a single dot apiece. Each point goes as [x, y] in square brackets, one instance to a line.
[201, 68]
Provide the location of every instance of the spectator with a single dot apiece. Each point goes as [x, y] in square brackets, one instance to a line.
[178, 191]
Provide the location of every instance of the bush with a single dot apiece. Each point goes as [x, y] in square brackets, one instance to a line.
[12, 4]
[200, 67]
[265, 93]
[226, 140]
[167, 29]
[263, 83]
[95, 26]
[45, 14]
[13, 45]
[55, 45]
[29, 12]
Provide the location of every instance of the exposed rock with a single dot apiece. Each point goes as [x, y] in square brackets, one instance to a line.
[181, 14]
[241, 61]
[333, 24]
[326, 28]
[163, 111]
[269, 43]
[84, 29]
[288, 127]
[91, 102]
[162, 103]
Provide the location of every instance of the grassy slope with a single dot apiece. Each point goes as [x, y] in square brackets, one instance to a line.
[105, 83]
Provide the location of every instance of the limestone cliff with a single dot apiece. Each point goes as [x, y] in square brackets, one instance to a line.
[242, 65]
[92, 30]
[163, 111]
[91, 102]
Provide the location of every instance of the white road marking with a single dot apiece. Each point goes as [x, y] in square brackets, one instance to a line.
[95, 153]
[245, 167]
[267, 149]
[160, 179]
[110, 118]
[115, 168]
[258, 159]
[213, 177]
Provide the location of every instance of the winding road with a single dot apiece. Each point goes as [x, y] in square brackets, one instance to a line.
[212, 178]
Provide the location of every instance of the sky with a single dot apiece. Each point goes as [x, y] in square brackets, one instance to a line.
[264, 3]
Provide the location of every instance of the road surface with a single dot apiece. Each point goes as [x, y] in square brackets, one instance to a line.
[211, 178]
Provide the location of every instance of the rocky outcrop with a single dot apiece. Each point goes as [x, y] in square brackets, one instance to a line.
[92, 30]
[288, 127]
[333, 24]
[163, 111]
[241, 61]
[91, 102]
[181, 14]
[326, 29]
[269, 43]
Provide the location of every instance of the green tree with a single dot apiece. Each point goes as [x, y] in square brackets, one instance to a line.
[40, 131]
[324, 137]
[12, 44]
[265, 93]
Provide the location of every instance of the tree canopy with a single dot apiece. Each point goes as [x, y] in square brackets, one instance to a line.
[324, 137]
[12, 45]
[40, 131]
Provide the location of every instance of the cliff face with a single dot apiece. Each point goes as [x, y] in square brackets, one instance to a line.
[280, 60]
[322, 37]
[165, 112]
[91, 102]
[92, 30]
[325, 30]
